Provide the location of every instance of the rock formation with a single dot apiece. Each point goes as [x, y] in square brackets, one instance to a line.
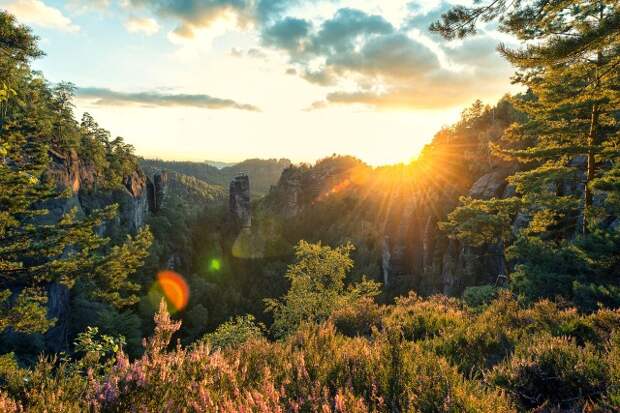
[71, 173]
[411, 252]
[79, 179]
[156, 191]
[239, 200]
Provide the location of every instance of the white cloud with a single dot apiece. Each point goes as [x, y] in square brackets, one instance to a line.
[84, 6]
[37, 13]
[145, 25]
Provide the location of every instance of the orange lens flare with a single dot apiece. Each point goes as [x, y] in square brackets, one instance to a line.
[175, 289]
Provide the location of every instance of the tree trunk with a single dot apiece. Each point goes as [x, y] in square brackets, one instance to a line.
[592, 142]
[590, 174]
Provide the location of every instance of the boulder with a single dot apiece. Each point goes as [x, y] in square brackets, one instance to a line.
[491, 185]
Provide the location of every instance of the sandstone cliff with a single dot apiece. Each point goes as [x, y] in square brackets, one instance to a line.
[78, 178]
[80, 182]
[391, 214]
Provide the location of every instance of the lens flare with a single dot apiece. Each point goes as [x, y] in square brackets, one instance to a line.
[248, 245]
[174, 288]
[215, 265]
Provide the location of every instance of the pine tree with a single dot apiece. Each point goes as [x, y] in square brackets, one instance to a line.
[35, 253]
[571, 69]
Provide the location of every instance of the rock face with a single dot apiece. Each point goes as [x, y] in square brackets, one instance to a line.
[411, 252]
[491, 185]
[156, 191]
[239, 200]
[290, 189]
[79, 179]
[70, 173]
[462, 266]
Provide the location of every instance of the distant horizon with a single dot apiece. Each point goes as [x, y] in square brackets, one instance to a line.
[272, 158]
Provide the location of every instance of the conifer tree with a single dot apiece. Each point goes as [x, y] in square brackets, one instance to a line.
[35, 253]
[568, 146]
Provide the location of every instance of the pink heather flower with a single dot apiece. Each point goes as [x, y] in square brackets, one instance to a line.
[109, 393]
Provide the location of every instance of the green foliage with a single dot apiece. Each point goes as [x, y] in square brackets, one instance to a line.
[418, 319]
[38, 248]
[112, 275]
[11, 375]
[112, 159]
[479, 296]
[317, 287]
[359, 318]
[479, 222]
[235, 332]
[419, 354]
[337, 349]
[98, 350]
[566, 192]
[552, 371]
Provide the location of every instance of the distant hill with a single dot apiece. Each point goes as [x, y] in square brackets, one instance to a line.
[263, 172]
[195, 193]
[219, 164]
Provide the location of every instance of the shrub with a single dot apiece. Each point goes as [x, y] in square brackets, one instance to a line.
[422, 381]
[553, 371]
[612, 398]
[235, 332]
[420, 319]
[484, 340]
[479, 296]
[358, 318]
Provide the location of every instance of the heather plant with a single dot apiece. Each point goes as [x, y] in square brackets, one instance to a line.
[552, 371]
[359, 318]
[482, 340]
[420, 319]
[612, 397]
[422, 355]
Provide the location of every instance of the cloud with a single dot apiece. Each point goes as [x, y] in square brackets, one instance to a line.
[108, 97]
[421, 18]
[364, 59]
[352, 46]
[256, 53]
[83, 6]
[252, 53]
[197, 14]
[340, 32]
[358, 56]
[145, 25]
[37, 13]
[391, 55]
[288, 34]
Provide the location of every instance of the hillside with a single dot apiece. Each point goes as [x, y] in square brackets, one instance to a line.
[391, 213]
[192, 192]
[264, 172]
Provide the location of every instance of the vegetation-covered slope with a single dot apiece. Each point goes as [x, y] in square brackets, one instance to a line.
[425, 355]
[264, 172]
[54, 253]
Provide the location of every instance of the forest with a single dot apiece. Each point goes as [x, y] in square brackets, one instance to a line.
[482, 276]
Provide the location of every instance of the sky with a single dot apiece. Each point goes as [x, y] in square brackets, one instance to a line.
[229, 80]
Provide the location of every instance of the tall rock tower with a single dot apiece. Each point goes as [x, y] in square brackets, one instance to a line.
[239, 200]
[156, 190]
